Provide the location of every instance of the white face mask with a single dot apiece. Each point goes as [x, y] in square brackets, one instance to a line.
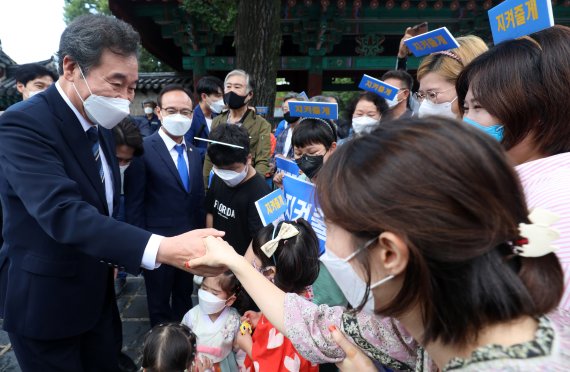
[104, 111]
[209, 303]
[231, 178]
[393, 102]
[348, 280]
[148, 110]
[428, 108]
[176, 124]
[34, 92]
[364, 124]
[217, 106]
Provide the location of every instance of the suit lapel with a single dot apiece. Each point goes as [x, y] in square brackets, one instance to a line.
[160, 147]
[76, 139]
[191, 166]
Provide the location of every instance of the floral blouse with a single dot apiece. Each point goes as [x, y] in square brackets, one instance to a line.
[386, 341]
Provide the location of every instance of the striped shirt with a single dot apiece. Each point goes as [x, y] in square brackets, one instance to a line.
[546, 184]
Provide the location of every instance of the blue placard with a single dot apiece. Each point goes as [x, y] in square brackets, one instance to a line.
[323, 110]
[262, 110]
[431, 42]
[515, 18]
[271, 207]
[288, 166]
[304, 95]
[379, 87]
[300, 196]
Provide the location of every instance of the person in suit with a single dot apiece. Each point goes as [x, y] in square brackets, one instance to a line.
[210, 91]
[59, 187]
[168, 199]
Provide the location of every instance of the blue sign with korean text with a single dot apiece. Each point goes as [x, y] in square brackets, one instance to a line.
[379, 87]
[431, 42]
[515, 18]
[262, 110]
[300, 197]
[287, 165]
[323, 110]
[304, 95]
[271, 207]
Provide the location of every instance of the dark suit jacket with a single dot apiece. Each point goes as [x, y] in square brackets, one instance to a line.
[155, 197]
[60, 243]
[199, 128]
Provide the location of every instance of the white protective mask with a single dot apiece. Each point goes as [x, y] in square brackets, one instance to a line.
[217, 106]
[393, 102]
[148, 110]
[348, 280]
[176, 124]
[231, 178]
[34, 92]
[209, 303]
[428, 108]
[364, 124]
[104, 111]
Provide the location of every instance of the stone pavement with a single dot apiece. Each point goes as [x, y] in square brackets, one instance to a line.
[134, 313]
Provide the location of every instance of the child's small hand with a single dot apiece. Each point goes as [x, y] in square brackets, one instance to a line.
[203, 364]
[244, 342]
[218, 254]
[252, 317]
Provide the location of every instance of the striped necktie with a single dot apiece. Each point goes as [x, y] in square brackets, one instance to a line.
[93, 136]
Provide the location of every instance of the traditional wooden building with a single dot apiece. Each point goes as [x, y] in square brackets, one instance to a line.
[327, 44]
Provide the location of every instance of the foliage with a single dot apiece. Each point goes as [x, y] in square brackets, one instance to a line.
[219, 14]
[76, 8]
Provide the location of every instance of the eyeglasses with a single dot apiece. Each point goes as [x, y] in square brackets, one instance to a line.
[430, 95]
[172, 111]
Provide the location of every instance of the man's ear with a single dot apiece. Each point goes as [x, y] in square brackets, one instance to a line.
[69, 66]
[20, 87]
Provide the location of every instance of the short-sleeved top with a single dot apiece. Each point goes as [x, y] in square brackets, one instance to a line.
[233, 209]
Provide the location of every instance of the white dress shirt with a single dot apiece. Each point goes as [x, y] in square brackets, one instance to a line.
[151, 249]
[170, 144]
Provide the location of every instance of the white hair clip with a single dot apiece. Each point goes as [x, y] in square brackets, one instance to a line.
[285, 232]
[537, 236]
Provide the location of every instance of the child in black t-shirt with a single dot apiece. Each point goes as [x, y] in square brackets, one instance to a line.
[234, 188]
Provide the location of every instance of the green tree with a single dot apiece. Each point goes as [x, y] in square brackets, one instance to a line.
[76, 8]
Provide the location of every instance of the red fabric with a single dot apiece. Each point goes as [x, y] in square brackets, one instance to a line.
[271, 351]
[273, 142]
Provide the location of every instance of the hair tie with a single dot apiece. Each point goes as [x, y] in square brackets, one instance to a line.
[536, 238]
[450, 55]
[285, 232]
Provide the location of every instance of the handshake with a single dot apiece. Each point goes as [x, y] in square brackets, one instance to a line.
[201, 252]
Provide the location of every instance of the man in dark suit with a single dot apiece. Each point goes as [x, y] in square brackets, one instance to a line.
[59, 187]
[167, 198]
[210, 90]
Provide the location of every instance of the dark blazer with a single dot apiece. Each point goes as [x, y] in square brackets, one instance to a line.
[199, 128]
[155, 197]
[59, 242]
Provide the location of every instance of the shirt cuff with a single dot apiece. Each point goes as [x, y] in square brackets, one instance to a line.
[150, 252]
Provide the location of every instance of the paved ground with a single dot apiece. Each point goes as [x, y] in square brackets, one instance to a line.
[133, 309]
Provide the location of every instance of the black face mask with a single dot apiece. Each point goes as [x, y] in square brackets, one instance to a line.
[288, 118]
[310, 165]
[234, 101]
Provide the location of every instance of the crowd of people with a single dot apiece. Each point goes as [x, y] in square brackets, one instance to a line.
[447, 216]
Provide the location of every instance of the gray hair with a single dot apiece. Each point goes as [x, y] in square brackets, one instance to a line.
[85, 39]
[248, 80]
[293, 95]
